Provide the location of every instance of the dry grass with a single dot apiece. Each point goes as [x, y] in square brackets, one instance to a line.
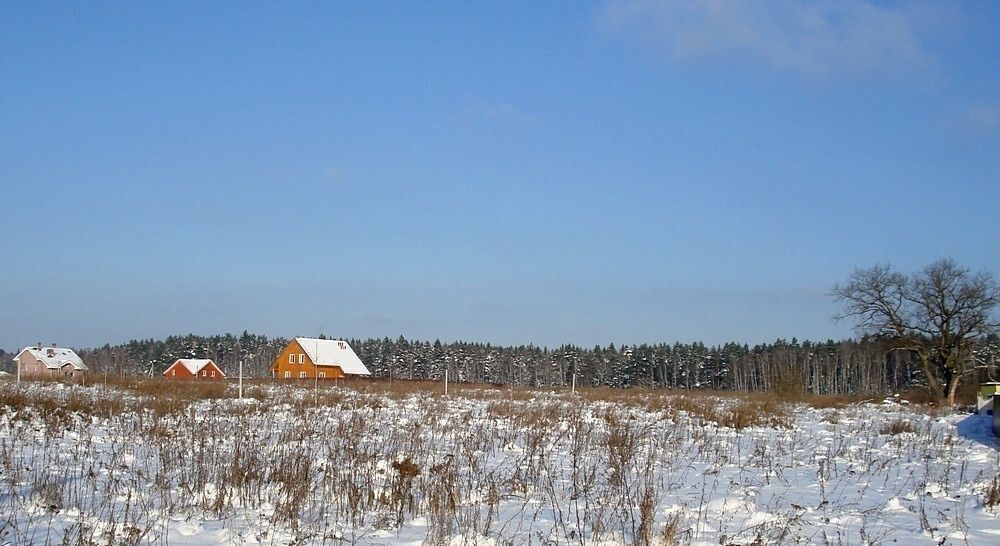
[57, 411]
[757, 413]
[133, 395]
[898, 426]
[919, 397]
[672, 530]
[991, 497]
[183, 390]
[732, 410]
[598, 464]
[399, 389]
[828, 401]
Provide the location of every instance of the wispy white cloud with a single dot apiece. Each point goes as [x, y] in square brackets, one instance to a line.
[983, 117]
[499, 111]
[813, 38]
[974, 119]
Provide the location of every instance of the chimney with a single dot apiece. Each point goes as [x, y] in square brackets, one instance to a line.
[39, 345]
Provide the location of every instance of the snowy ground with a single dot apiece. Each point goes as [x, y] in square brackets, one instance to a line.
[364, 468]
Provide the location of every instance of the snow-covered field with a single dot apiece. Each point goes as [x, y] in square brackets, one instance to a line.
[111, 466]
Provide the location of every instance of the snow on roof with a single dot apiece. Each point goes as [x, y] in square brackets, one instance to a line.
[333, 352]
[53, 357]
[194, 365]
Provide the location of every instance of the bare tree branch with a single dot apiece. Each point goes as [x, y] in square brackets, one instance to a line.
[939, 314]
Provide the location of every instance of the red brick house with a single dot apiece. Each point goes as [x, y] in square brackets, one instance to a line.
[50, 362]
[193, 368]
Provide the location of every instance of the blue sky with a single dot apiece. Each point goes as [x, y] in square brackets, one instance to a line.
[622, 171]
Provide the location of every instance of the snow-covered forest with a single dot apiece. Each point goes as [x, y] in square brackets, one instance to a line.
[831, 367]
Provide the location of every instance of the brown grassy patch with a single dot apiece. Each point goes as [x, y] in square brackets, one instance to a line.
[533, 417]
[402, 388]
[898, 426]
[828, 401]
[183, 390]
[756, 413]
[737, 411]
[918, 396]
[58, 409]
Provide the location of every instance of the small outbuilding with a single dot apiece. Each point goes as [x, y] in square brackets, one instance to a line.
[306, 358]
[193, 368]
[51, 361]
[984, 398]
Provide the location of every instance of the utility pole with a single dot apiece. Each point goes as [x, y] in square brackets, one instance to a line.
[573, 387]
[241, 379]
[446, 381]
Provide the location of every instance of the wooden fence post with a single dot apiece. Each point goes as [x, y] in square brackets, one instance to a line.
[996, 415]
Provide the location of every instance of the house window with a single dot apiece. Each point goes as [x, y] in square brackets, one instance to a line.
[291, 359]
[302, 375]
[288, 375]
[302, 358]
[213, 373]
[204, 373]
[173, 373]
[322, 375]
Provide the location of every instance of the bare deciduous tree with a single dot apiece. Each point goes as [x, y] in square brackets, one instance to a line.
[939, 314]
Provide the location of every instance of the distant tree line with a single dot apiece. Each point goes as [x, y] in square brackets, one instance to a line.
[929, 329]
[868, 366]
[865, 366]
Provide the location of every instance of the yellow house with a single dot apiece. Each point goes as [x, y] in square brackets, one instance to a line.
[306, 358]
